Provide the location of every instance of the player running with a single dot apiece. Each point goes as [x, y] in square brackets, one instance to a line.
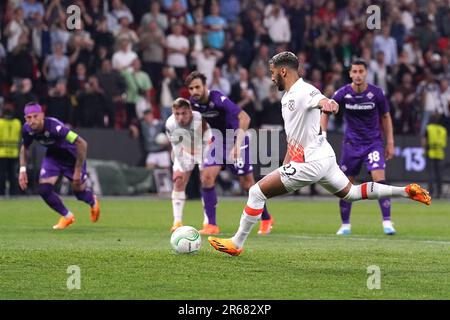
[66, 155]
[222, 114]
[363, 105]
[190, 137]
[309, 159]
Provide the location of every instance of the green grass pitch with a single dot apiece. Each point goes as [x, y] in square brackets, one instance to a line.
[127, 255]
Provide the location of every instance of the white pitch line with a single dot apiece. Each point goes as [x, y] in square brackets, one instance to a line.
[350, 238]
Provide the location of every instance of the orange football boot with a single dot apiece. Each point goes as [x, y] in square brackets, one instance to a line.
[224, 245]
[418, 193]
[176, 225]
[64, 222]
[95, 210]
[266, 226]
[209, 229]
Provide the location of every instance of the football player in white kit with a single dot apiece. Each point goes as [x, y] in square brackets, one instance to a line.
[190, 137]
[309, 158]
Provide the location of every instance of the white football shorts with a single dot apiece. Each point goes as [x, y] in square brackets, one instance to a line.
[326, 172]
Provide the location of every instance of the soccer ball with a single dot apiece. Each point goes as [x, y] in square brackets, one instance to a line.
[162, 139]
[186, 239]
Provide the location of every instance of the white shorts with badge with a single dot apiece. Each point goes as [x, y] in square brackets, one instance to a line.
[160, 159]
[186, 165]
[326, 172]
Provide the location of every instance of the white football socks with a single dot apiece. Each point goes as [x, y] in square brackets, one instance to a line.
[178, 200]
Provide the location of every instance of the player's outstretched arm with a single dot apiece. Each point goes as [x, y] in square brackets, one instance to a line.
[328, 106]
[23, 178]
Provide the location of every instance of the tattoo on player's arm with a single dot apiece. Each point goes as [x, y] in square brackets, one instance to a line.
[81, 152]
[23, 156]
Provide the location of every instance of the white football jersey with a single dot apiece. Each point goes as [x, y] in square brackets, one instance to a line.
[186, 141]
[302, 123]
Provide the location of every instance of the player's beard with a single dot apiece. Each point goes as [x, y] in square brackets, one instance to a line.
[280, 83]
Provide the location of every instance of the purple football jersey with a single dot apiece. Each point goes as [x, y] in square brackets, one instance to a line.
[53, 137]
[362, 113]
[220, 112]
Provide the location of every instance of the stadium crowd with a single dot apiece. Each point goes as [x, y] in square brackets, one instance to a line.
[126, 56]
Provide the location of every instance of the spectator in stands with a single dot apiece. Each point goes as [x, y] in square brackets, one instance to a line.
[81, 50]
[169, 5]
[243, 94]
[270, 115]
[297, 20]
[398, 29]
[124, 57]
[197, 42]
[55, 11]
[177, 50]
[196, 18]
[124, 31]
[58, 103]
[260, 59]
[152, 43]
[407, 106]
[379, 73]
[114, 86]
[230, 70]
[429, 93]
[207, 60]
[170, 88]
[93, 14]
[21, 94]
[177, 14]
[102, 37]
[230, 9]
[32, 8]
[15, 28]
[241, 48]
[40, 38]
[20, 62]
[59, 33]
[215, 25]
[118, 10]
[345, 50]
[56, 65]
[138, 94]
[262, 84]
[260, 35]
[78, 79]
[219, 83]
[92, 105]
[155, 15]
[277, 25]
[403, 66]
[445, 100]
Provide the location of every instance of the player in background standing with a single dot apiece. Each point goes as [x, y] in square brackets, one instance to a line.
[190, 137]
[365, 107]
[65, 155]
[222, 114]
[309, 158]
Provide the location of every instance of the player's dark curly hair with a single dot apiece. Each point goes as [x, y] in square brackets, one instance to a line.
[285, 59]
[195, 75]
